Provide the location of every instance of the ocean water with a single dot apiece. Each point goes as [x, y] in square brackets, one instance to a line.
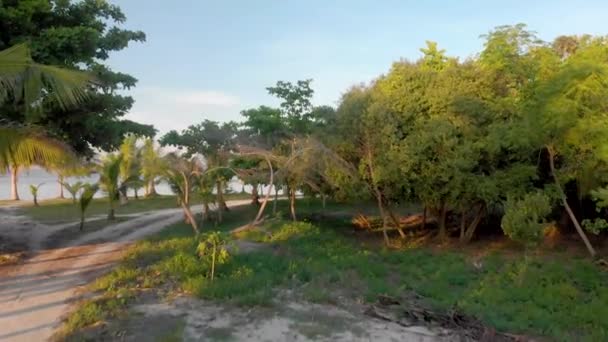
[50, 187]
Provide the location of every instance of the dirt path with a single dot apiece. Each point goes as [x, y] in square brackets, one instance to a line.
[35, 293]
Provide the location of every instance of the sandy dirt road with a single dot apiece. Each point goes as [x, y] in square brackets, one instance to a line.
[37, 292]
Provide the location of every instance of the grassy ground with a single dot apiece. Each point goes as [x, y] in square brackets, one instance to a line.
[560, 297]
[64, 210]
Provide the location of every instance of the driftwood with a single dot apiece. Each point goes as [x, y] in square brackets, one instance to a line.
[374, 223]
[412, 313]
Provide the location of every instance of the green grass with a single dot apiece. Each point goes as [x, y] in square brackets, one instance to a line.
[559, 297]
[58, 210]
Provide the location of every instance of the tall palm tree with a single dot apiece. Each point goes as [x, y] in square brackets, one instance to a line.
[25, 82]
[109, 180]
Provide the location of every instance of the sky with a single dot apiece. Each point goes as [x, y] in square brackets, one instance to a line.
[212, 59]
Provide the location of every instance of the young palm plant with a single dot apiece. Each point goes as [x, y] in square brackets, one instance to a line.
[34, 190]
[89, 191]
[109, 176]
[73, 189]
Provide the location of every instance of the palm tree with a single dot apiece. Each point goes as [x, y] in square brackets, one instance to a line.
[34, 190]
[85, 199]
[130, 166]
[109, 176]
[73, 189]
[152, 166]
[24, 146]
[25, 82]
[181, 175]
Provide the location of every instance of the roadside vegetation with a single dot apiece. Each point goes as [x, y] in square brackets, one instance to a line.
[531, 293]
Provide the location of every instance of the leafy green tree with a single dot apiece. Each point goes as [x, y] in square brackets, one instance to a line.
[216, 143]
[78, 35]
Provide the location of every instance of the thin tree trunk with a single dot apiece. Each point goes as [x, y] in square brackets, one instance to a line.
[276, 199]
[81, 228]
[111, 215]
[395, 221]
[424, 212]
[35, 200]
[383, 216]
[190, 217]
[136, 190]
[219, 199]
[14, 179]
[60, 180]
[255, 197]
[206, 211]
[470, 230]
[443, 234]
[564, 199]
[258, 217]
[323, 201]
[292, 204]
[463, 224]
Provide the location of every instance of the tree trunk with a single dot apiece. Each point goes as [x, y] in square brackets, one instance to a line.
[424, 212]
[111, 216]
[14, 178]
[190, 217]
[463, 224]
[255, 197]
[292, 204]
[470, 230]
[276, 199]
[60, 180]
[258, 217]
[220, 207]
[136, 190]
[151, 190]
[443, 233]
[564, 200]
[383, 216]
[206, 211]
[323, 201]
[395, 221]
[35, 200]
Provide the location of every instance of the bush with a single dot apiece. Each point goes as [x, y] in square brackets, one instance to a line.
[524, 217]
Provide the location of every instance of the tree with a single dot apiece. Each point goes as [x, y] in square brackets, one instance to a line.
[181, 174]
[86, 197]
[130, 167]
[34, 191]
[152, 166]
[73, 189]
[23, 81]
[109, 180]
[77, 35]
[216, 143]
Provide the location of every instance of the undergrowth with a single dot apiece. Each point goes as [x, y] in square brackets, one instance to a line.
[562, 298]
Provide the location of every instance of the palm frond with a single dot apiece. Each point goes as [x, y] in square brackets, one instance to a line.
[26, 146]
[25, 80]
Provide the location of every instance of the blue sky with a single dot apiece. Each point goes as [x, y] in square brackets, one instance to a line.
[211, 59]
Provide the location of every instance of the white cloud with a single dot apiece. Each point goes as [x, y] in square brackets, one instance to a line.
[170, 108]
